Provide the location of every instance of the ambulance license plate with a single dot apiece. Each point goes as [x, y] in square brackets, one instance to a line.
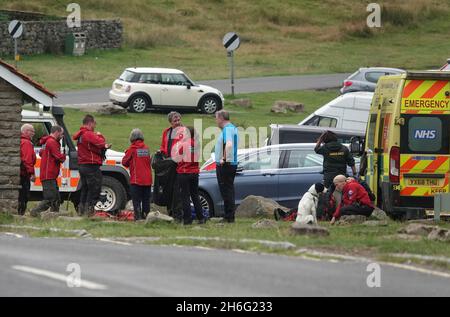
[430, 182]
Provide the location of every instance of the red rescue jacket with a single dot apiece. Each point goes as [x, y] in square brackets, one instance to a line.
[187, 157]
[353, 193]
[27, 157]
[177, 135]
[51, 158]
[137, 158]
[90, 146]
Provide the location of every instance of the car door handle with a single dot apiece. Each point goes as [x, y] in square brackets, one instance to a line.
[268, 174]
[165, 89]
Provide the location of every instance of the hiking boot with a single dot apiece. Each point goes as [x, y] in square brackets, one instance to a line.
[81, 209]
[55, 207]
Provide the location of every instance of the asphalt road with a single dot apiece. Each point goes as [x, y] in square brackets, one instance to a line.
[242, 85]
[37, 267]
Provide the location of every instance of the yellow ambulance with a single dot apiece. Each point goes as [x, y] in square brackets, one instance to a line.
[406, 158]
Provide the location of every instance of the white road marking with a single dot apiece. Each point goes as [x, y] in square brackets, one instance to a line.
[58, 277]
[115, 242]
[417, 269]
[13, 234]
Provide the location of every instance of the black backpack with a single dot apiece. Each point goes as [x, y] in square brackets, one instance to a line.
[368, 190]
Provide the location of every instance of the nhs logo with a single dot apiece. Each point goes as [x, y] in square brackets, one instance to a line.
[425, 134]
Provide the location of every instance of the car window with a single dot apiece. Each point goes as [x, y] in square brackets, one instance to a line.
[322, 122]
[303, 158]
[149, 78]
[260, 161]
[298, 136]
[174, 79]
[127, 76]
[327, 122]
[374, 76]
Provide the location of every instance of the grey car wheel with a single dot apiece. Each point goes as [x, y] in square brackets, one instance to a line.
[138, 104]
[206, 202]
[210, 105]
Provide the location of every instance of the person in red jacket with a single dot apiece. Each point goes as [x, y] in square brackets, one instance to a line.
[172, 134]
[187, 156]
[170, 137]
[51, 159]
[27, 162]
[137, 158]
[355, 199]
[91, 148]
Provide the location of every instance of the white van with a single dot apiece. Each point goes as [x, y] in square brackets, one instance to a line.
[348, 111]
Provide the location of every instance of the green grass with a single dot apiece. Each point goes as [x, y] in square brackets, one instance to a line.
[117, 128]
[278, 38]
[373, 242]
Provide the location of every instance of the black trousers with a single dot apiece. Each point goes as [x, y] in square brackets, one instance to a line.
[140, 195]
[225, 176]
[175, 204]
[356, 209]
[24, 194]
[52, 200]
[91, 184]
[189, 191]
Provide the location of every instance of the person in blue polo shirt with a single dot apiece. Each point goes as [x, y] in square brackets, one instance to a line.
[226, 162]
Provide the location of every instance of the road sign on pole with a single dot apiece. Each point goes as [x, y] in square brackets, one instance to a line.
[231, 42]
[15, 29]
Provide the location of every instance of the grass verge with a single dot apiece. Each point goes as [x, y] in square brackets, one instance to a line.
[371, 242]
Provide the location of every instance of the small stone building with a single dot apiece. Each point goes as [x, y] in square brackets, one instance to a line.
[16, 89]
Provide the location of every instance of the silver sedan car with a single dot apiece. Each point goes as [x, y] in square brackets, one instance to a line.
[365, 79]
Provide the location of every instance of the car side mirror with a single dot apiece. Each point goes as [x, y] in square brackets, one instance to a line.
[188, 86]
[239, 169]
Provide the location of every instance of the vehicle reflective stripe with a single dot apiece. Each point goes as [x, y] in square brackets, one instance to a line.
[110, 162]
[408, 165]
[408, 191]
[439, 164]
[434, 89]
[435, 164]
[410, 87]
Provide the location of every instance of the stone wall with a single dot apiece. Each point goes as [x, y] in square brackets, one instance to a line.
[10, 123]
[48, 36]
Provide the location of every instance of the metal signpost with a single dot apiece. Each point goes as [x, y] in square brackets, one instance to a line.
[15, 29]
[231, 42]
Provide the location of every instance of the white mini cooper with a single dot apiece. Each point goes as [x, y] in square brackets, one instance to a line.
[142, 88]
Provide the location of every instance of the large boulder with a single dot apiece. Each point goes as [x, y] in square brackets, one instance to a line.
[376, 223]
[257, 206]
[379, 214]
[265, 224]
[439, 234]
[417, 229]
[309, 230]
[156, 216]
[103, 108]
[281, 106]
[243, 103]
[350, 220]
[48, 215]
